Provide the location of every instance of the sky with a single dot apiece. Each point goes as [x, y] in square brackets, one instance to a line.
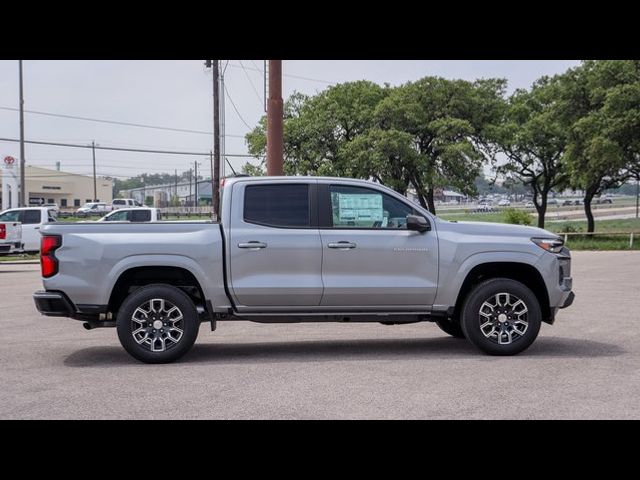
[177, 94]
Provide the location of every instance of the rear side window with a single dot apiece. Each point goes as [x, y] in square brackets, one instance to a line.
[140, 215]
[29, 217]
[277, 205]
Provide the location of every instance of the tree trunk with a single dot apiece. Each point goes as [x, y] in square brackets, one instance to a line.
[591, 225]
[422, 201]
[430, 201]
[542, 211]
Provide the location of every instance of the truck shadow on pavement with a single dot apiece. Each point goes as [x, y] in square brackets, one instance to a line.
[348, 350]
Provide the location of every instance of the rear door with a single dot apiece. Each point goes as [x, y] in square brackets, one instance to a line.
[274, 246]
[31, 223]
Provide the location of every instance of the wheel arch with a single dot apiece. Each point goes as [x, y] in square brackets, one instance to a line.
[521, 272]
[139, 276]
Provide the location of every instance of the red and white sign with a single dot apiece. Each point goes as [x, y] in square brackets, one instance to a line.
[9, 160]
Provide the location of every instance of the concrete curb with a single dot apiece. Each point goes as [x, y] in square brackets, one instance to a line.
[23, 262]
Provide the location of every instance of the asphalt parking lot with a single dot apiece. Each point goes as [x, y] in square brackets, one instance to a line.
[586, 366]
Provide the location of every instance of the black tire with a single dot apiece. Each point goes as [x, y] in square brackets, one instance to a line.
[450, 326]
[471, 318]
[189, 325]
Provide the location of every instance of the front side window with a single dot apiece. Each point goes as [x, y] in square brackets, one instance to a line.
[285, 205]
[360, 207]
[117, 217]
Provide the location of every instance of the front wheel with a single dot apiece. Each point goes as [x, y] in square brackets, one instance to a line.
[501, 317]
[157, 324]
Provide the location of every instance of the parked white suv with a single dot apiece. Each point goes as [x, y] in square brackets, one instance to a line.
[124, 203]
[93, 208]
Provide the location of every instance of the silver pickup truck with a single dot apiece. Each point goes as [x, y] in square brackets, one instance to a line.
[305, 249]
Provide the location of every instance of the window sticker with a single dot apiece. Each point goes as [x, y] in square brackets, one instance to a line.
[359, 208]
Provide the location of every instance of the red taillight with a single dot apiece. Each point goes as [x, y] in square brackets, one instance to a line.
[48, 260]
[222, 180]
[3, 231]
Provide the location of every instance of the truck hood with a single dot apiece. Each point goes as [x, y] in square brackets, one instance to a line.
[498, 229]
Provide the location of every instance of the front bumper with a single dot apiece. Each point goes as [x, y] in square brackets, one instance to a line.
[569, 300]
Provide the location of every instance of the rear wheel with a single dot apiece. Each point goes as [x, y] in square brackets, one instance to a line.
[450, 326]
[501, 317]
[157, 324]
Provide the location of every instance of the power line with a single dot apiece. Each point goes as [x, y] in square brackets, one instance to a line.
[236, 109]
[251, 82]
[120, 149]
[115, 122]
[288, 75]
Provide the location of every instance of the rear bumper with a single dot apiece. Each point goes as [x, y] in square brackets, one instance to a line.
[54, 304]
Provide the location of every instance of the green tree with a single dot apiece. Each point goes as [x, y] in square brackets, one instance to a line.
[601, 105]
[534, 142]
[316, 129]
[387, 156]
[450, 122]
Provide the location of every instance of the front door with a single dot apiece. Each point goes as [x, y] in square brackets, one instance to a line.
[274, 246]
[370, 259]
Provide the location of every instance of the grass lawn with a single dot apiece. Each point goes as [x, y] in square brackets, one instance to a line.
[15, 257]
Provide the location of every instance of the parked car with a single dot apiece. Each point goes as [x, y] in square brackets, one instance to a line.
[504, 203]
[138, 214]
[529, 204]
[10, 237]
[553, 201]
[32, 219]
[124, 203]
[93, 208]
[484, 207]
[603, 200]
[292, 249]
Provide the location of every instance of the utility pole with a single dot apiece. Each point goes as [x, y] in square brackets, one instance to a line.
[22, 199]
[215, 192]
[93, 151]
[195, 197]
[190, 186]
[275, 147]
[175, 176]
[217, 138]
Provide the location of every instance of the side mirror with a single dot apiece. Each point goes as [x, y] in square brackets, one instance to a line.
[418, 223]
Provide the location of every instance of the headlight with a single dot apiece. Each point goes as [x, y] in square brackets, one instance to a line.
[553, 245]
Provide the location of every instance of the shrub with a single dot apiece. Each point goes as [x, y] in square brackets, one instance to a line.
[517, 217]
[569, 228]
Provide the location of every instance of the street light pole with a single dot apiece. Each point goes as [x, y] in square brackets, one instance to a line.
[22, 199]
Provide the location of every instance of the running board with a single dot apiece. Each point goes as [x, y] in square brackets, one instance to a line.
[381, 317]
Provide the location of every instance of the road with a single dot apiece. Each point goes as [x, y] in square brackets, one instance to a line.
[584, 366]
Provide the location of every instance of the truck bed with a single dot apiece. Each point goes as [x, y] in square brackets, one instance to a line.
[109, 249]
